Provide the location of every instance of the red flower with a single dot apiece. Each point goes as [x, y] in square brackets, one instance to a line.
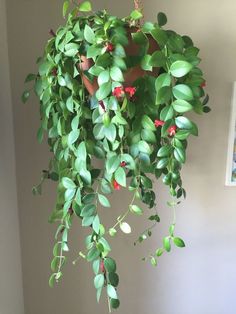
[102, 267]
[116, 185]
[101, 103]
[172, 130]
[109, 47]
[123, 164]
[159, 123]
[203, 84]
[118, 91]
[130, 90]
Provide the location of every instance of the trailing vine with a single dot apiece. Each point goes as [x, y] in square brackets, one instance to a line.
[138, 129]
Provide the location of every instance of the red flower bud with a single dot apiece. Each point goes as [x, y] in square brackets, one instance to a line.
[172, 130]
[109, 47]
[203, 84]
[159, 123]
[116, 185]
[123, 164]
[102, 267]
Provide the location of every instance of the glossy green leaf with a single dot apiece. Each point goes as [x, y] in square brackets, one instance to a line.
[161, 18]
[179, 242]
[85, 6]
[116, 74]
[68, 183]
[181, 106]
[136, 210]
[147, 123]
[180, 68]
[89, 34]
[103, 200]
[110, 265]
[120, 176]
[182, 91]
[166, 244]
[99, 281]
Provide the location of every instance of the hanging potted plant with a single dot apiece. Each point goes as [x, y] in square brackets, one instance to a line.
[117, 90]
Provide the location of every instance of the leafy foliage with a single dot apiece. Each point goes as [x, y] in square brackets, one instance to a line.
[138, 131]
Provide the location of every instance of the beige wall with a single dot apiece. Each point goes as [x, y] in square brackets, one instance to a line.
[198, 279]
[11, 293]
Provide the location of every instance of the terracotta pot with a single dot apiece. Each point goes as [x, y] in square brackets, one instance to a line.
[132, 74]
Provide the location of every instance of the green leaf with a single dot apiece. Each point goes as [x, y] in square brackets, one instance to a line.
[96, 224]
[185, 123]
[116, 74]
[162, 163]
[164, 151]
[110, 132]
[163, 80]
[182, 134]
[136, 15]
[163, 95]
[72, 137]
[68, 183]
[167, 113]
[85, 6]
[112, 164]
[30, 77]
[103, 77]
[125, 227]
[159, 252]
[147, 123]
[111, 292]
[112, 232]
[180, 68]
[87, 221]
[88, 210]
[181, 106]
[148, 136]
[153, 261]
[99, 281]
[93, 254]
[96, 266]
[103, 91]
[114, 279]
[179, 154]
[65, 8]
[70, 104]
[115, 303]
[171, 230]
[103, 200]
[136, 210]
[179, 242]
[25, 96]
[81, 151]
[166, 244]
[120, 176]
[144, 147]
[161, 18]
[182, 91]
[110, 265]
[160, 36]
[52, 280]
[158, 59]
[89, 34]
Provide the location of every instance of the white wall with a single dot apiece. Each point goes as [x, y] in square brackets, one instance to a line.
[198, 279]
[11, 295]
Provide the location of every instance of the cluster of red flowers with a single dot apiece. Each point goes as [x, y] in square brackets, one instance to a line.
[171, 130]
[120, 91]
